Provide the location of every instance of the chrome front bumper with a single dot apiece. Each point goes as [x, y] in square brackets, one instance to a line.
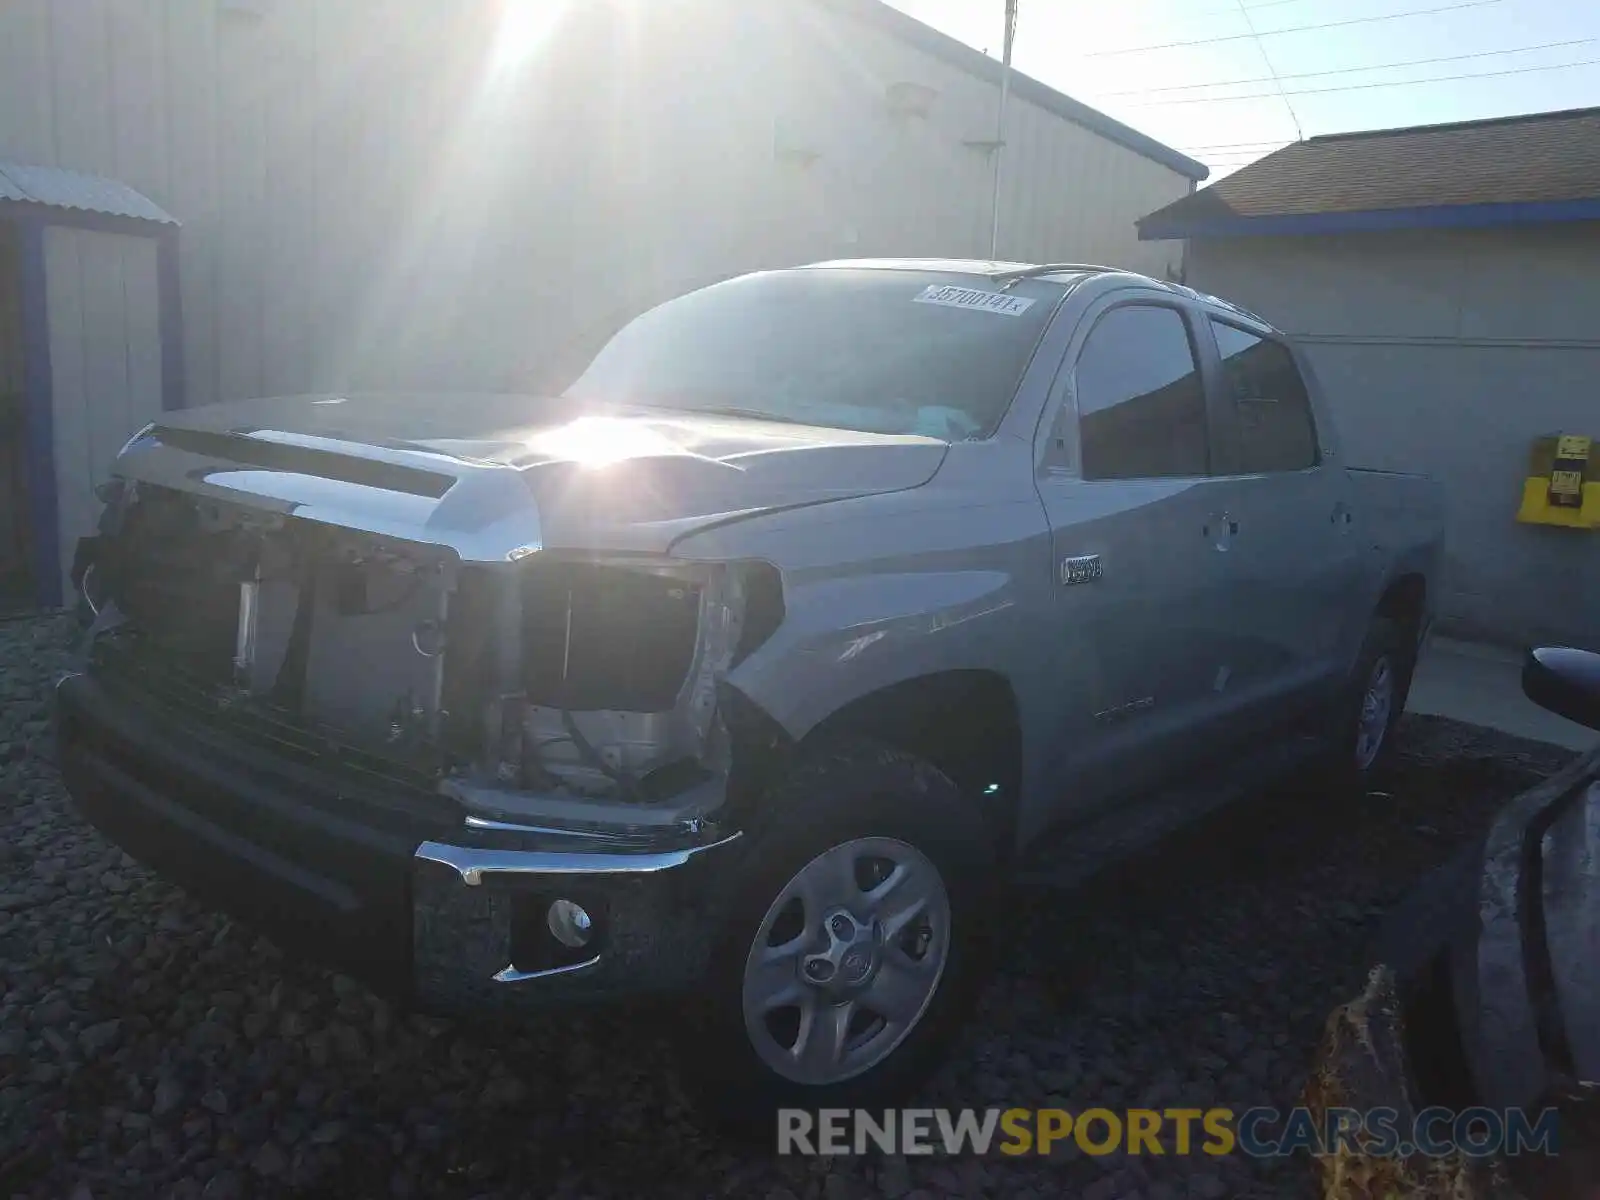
[397, 889]
[481, 939]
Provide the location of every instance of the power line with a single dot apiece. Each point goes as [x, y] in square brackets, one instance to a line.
[1256, 153]
[1251, 7]
[1271, 70]
[1228, 12]
[1201, 14]
[1239, 37]
[1233, 145]
[1415, 62]
[1242, 147]
[1359, 87]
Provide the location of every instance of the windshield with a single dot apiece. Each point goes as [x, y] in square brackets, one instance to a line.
[880, 351]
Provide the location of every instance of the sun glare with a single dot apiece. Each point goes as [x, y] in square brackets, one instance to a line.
[525, 25]
[599, 441]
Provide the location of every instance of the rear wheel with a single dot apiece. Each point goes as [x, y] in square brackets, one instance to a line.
[851, 944]
[1373, 700]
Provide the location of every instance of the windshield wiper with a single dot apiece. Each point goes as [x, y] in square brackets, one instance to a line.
[731, 411]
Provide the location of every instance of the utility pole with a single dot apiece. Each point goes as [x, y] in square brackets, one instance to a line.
[1000, 127]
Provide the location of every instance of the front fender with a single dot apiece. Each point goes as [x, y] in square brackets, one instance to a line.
[843, 638]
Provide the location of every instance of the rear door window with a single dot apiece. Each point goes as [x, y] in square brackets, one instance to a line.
[1271, 406]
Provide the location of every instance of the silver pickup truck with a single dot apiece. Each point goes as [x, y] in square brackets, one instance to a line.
[751, 663]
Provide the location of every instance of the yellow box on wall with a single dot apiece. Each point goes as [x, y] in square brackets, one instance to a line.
[1561, 487]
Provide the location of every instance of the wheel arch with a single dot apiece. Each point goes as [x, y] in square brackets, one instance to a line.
[1405, 601]
[964, 721]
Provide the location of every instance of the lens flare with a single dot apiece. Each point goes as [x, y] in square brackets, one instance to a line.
[525, 25]
[600, 441]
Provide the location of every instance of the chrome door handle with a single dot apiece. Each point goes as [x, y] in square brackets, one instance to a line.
[1220, 530]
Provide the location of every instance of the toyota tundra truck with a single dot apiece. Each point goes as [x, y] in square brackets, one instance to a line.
[750, 665]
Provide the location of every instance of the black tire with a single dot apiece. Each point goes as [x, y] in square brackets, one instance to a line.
[837, 795]
[1350, 769]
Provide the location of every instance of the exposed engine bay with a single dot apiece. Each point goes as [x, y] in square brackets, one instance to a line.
[587, 678]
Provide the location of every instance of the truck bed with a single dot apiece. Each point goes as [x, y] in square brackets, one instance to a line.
[1402, 512]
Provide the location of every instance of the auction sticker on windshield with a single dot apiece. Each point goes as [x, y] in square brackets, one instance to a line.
[951, 296]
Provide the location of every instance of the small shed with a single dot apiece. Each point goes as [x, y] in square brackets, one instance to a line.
[90, 351]
[1445, 283]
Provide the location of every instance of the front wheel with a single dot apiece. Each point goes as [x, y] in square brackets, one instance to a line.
[850, 947]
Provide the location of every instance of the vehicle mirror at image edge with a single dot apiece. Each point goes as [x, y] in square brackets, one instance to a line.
[1564, 681]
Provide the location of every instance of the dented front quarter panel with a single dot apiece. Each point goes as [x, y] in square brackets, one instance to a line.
[890, 588]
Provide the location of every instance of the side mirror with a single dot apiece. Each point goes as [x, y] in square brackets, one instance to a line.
[1564, 681]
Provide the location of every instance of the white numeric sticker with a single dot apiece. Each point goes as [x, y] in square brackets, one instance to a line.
[951, 296]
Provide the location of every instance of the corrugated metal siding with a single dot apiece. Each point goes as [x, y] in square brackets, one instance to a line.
[15, 572]
[361, 204]
[27, 183]
[105, 355]
[1448, 353]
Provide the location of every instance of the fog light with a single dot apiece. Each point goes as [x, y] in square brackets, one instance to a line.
[569, 924]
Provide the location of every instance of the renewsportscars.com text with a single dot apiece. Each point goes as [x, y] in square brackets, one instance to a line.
[1255, 1132]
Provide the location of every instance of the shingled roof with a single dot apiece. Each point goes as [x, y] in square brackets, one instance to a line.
[1511, 170]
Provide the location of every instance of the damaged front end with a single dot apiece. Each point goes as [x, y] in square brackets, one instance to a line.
[545, 733]
[557, 684]
[602, 680]
[260, 614]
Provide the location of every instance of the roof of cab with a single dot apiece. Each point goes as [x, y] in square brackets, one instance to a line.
[990, 268]
[954, 266]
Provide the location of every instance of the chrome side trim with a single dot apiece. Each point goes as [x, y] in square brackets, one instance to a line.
[244, 650]
[88, 596]
[599, 839]
[473, 863]
[514, 827]
[509, 974]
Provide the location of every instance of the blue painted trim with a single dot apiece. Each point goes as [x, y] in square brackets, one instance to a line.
[39, 414]
[169, 317]
[1157, 227]
[974, 62]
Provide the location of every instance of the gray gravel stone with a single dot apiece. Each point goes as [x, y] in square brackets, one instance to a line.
[150, 1047]
[894, 1177]
[100, 1037]
[216, 1100]
[269, 1161]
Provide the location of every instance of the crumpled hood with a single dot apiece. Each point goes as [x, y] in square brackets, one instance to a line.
[496, 475]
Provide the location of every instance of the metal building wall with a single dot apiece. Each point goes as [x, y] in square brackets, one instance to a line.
[105, 358]
[375, 193]
[922, 185]
[1449, 352]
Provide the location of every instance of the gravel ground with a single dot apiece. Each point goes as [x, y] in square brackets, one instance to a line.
[148, 1047]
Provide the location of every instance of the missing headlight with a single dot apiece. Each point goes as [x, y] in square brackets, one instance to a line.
[604, 637]
[621, 659]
